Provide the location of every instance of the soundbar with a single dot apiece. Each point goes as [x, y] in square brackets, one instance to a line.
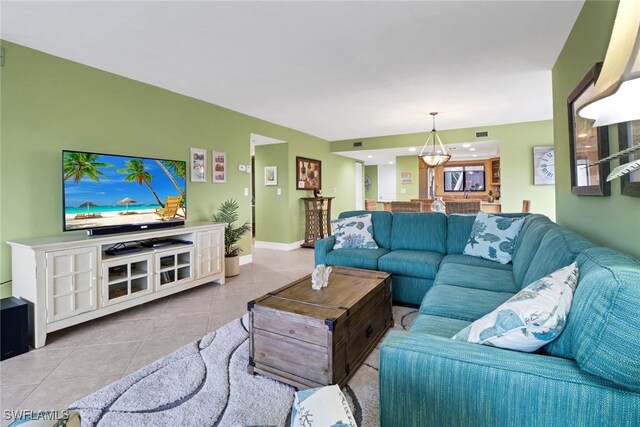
[133, 227]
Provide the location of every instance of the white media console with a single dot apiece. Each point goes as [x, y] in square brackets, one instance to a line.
[70, 279]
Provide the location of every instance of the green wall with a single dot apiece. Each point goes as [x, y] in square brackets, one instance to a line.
[338, 174]
[407, 191]
[269, 205]
[612, 221]
[49, 104]
[516, 152]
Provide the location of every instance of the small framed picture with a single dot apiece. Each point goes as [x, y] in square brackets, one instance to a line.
[406, 178]
[271, 175]
[198, 164]
[219, 168]
[544, 166]
[308, 174]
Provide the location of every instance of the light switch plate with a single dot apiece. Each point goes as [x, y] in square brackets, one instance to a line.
[242, 168]
[248, 168]
[246, 191]
[279, 191]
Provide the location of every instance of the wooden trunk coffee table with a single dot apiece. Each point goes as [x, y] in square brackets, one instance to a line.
[310, 338]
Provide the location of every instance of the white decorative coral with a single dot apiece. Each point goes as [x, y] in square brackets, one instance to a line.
[320, 277]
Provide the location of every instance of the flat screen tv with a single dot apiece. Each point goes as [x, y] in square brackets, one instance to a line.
[106, 193]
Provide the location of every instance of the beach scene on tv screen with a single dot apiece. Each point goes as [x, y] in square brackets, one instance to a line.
[106, 190]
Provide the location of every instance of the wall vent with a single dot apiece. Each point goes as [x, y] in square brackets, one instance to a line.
[357, 144]
[482, 134]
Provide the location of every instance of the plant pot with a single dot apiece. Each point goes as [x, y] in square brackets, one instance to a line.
[231, 266]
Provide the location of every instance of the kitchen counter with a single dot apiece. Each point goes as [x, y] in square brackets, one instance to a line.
[491, 207]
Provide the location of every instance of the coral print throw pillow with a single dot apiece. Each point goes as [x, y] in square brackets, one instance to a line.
[355, 232]
[493, 237]
[531, 318]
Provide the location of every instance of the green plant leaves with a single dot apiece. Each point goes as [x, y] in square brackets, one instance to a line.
[228, 214]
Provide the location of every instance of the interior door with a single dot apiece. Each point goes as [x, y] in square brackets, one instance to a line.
[386, 183]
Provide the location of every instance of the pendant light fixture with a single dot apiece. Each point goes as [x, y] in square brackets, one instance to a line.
[616, 93]
[430, 156]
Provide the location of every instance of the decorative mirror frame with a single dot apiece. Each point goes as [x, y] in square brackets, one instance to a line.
[602, 138]
[628, 186]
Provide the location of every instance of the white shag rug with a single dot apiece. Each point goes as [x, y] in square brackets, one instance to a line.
[206, 383]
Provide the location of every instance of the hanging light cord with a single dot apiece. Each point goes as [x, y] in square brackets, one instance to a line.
[433, 136]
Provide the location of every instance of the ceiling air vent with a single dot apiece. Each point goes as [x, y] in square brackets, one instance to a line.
[482, 134]
[357, 144]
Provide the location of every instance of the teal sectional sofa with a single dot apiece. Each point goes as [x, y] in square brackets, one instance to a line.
[588, 376]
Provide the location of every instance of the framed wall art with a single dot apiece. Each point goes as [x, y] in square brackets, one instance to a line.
[544, 165]
[271, 175]
[628, 136]
[198, 164]
[406, 178]
[587, 144]
[308, 174]
[219, 167]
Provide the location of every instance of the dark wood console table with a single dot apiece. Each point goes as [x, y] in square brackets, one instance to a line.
[317, 216]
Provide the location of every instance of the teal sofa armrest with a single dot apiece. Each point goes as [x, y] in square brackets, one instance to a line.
[433, 381]
[321, 248]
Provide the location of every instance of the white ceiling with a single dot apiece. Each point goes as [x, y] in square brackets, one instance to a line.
[337, 70]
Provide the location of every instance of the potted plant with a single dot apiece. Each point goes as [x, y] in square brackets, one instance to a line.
[228, 214]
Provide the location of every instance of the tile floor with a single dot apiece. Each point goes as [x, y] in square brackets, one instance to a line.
[79, 360]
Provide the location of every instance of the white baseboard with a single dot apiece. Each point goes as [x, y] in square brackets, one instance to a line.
[246, 259]
[278, 246]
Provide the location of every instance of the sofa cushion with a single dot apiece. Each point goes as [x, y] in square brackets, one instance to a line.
[461, 303]
[474, 261]
[419, 231]
[358, 258]
[411, 263]
[493, 237]
[354, 232]
[381, 221]
[409, 290]
[602, 328]
[458, 231]
[469, 276]
[559, 247]
[437, 325]
[527, 244]
[531, 318]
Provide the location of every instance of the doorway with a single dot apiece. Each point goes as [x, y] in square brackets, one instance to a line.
[258, 191]
[359, 184]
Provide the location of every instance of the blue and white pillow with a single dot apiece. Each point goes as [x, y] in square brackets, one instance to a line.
[533, 317]
[493, 237]
[323, 406]
[355, 232]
